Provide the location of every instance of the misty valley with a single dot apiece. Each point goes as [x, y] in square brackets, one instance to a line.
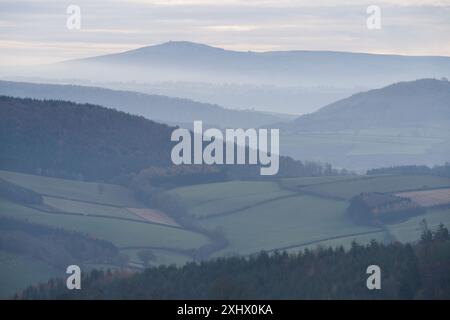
[186, 171]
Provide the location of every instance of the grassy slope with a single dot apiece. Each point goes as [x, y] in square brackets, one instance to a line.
[121, 233]
[296, 220]
[348, 189]
[198, 194]
[216, 198]
[410, 230]
[89, 208]
[405, 140]
[286, 222]
[295, 183]
[76, 190]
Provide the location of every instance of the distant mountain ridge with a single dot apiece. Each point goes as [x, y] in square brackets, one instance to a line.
[294, 82]
[187, 61]
[154, 107]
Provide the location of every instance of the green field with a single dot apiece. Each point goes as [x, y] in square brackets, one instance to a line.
[282, 223]
[19, 271]
[203, 193]
[226, 205]
[89, 208]
[289, 214]
[385, 183]
[296, 183]
[74, 190]
[217, 198]
[409, 141]
[120, 233]
[410, 230]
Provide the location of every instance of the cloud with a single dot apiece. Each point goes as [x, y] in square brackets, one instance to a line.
[37, 28]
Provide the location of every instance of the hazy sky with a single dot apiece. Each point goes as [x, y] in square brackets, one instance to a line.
[34, 31]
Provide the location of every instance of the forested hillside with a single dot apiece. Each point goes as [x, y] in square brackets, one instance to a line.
[78, 141]
[408, 272]
[89, 142]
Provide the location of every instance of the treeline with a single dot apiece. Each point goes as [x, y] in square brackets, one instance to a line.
[417, 271]
[56, 247]
[438, 170]
[373, 208]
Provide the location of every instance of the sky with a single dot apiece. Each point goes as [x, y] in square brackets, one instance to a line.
[35, 31]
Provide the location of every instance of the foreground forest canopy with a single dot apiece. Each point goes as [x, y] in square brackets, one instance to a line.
[417, 271]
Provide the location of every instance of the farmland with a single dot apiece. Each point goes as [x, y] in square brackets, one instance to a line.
[218, 198]
[99, 193]
[428, 198]
[283, 223]
[358, 148]
[410, 230]
[86, 208]
[347, 189]
[295, 213]
[285, 214]
[121, 233]
[107, 212]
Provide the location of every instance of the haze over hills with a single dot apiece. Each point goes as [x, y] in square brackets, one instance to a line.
[295, 82]
[153, 107]
[198, 62]
[404, 123]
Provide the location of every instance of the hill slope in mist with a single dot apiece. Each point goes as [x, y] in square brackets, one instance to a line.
[404, 123]
[421, 102]
[294, 82]
[154, 107]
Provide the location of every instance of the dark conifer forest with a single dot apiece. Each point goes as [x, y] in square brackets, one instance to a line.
[419, 271]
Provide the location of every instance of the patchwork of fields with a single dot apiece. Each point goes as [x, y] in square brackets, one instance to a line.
[288, 214]
[107, 212]
[296, 213]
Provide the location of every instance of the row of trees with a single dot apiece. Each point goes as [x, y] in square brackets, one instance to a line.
[417, 271]
[375, 208]
[438, 170]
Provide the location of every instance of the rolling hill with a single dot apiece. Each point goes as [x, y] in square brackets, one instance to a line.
[404, 123]
[154, 107]
[78, 141]
[424, 102]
